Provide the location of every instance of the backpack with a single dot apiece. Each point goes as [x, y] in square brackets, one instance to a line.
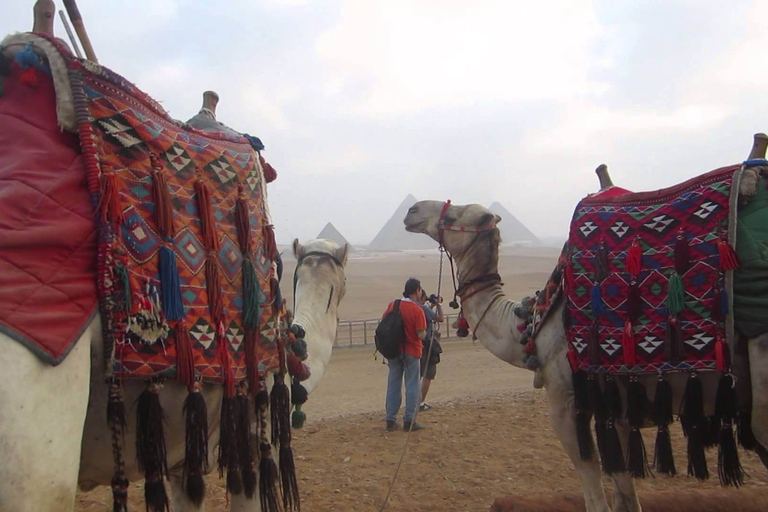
[390, 333]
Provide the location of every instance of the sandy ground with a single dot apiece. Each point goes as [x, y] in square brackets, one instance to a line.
[488, 435]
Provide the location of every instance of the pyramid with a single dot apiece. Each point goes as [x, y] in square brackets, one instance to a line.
[394, 237]
[330, 232]
[512, 230]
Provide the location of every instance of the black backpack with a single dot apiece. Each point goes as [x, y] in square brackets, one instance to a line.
[390, 333]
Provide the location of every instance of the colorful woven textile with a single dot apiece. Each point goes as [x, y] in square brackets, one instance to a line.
[645, 283]
[172, 223]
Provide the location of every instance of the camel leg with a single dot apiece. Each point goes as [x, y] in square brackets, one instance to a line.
[564, 424]
[758, 362]
[624, 492]
[42, 414]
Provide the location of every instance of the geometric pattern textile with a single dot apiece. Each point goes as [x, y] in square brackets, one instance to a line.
[645, 288]
[128, 140]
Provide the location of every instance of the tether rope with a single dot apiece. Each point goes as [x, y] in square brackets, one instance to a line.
[421, 381]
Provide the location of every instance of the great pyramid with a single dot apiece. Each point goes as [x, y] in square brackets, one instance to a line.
[512, 230]
[330, 232]
[394, 237]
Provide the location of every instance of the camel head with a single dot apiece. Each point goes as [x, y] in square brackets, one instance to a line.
[320, 285]
[206, 118]
[424, 217]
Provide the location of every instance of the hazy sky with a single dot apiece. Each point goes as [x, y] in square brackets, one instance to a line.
[360, 103]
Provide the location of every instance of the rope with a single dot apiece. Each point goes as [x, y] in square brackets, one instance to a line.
[421, 382]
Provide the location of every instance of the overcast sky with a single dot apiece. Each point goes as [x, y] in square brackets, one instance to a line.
[360, 103]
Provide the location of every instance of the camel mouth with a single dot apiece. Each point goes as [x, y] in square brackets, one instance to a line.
[415, 227]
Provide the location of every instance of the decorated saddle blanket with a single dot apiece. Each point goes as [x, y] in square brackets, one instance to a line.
[174, 220]
[645, 279]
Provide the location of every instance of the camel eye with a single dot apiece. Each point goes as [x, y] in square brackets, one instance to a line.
[413, 209]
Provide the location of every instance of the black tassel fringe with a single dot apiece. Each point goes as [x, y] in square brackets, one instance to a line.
[195, 445]
[597, 405]
[637, 459]
[288, 481]
[583, 415]
[614, 461]
[268, 480]
[663, 459]
[692, 419]
[280, 408]
[150, 448]
[228, 456]
[119, 494]
[728, 465]
[245, 459]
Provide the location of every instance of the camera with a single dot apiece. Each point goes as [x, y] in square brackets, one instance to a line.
[433, 299]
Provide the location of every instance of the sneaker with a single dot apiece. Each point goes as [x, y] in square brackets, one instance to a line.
[391, 426]
[424, 406]
[408, 427]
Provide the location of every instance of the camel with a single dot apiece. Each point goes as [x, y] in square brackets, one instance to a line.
[492, 316]
[54, 437]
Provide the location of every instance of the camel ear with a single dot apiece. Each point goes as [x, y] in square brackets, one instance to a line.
[487, 219]
[298, 249]
[341, 254]
[498, 219]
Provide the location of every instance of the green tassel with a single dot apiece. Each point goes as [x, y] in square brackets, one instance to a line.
[122, 273]
[675, 295]
[298, 417]
[250, 296]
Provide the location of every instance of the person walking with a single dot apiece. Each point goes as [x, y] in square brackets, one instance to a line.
[431, 351]
[406, 366]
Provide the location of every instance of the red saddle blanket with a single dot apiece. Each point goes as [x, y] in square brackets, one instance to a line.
[645, 280]
[183, 264]
[47, 232]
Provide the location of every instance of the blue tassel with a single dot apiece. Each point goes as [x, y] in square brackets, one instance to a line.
[173, 306]
[27, 58]
[597, 302]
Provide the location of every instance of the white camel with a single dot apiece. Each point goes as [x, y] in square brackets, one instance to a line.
[53, 431]
[492, 316]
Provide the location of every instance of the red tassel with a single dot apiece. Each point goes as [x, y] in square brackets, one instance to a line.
[206, 215]
[268, 231]
[270, 174]
[243, 222]
[728, 258]
[682, 254]
[111, 208]
[297, 369]
[30, 77]
[162, 198]
[185, 363]
[721, 359]
[226, 367]
[213, 284]
[634, 258]
[530, 346]
[628, 344]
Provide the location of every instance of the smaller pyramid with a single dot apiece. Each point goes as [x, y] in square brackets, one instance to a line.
[512, 230]
[329, 232]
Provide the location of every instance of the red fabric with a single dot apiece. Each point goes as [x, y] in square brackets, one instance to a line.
[47, 233]
[611, 192]
[413, 322]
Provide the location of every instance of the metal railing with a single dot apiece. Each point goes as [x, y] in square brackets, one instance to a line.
[351, 333]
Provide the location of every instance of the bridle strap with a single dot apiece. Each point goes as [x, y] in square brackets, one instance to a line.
[491, 279]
